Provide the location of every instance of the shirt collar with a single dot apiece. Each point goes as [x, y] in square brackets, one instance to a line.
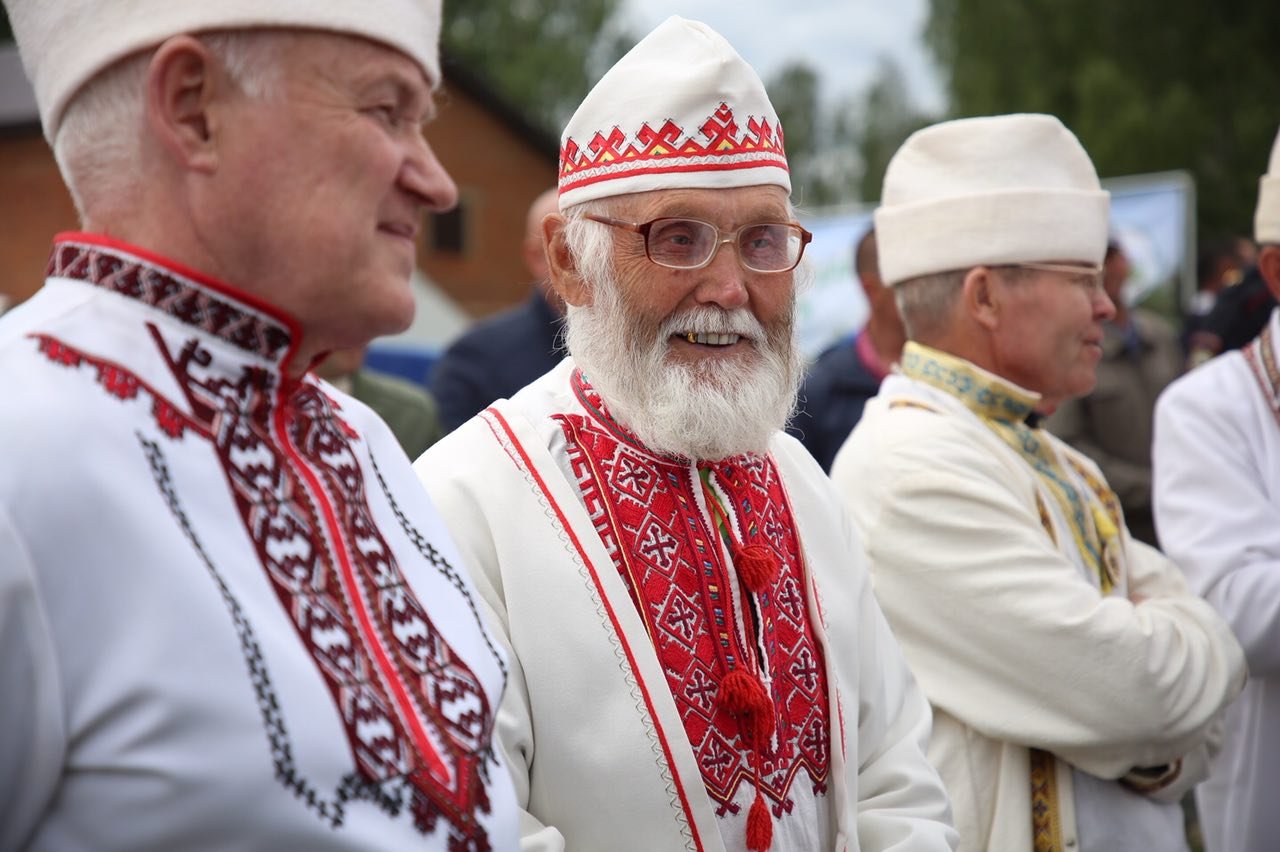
[982, 392]
[185, 295]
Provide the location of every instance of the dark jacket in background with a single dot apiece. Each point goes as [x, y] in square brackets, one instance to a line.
[831, 401]
[495, 358]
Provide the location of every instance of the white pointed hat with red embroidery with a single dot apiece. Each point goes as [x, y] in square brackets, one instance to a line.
[681, 110]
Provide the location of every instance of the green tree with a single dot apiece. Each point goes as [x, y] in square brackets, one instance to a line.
[886, 117]
[1147, 85]
[542, 58]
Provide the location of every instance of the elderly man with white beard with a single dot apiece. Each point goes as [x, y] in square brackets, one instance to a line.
[697, 658]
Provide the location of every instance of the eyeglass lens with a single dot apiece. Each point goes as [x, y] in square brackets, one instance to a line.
[688, 243]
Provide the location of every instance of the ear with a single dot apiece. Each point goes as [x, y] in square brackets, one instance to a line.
[182, 84]
[980, 294]
[561, 268]
[1269, 268]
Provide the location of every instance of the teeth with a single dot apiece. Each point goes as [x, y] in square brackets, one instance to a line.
[712, 339]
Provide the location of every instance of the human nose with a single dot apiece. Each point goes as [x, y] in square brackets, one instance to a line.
[724, 279]
[1103, 307]
[423, 176]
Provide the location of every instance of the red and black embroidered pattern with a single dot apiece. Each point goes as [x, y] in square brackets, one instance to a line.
[701, 620]
[720, 143]
[181, 298]
[418, 721]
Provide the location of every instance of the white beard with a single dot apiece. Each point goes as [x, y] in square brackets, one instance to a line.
[703, 411]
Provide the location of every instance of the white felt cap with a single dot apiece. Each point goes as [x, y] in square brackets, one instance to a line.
[999, 189]
[681, 110]
[1266, 220]
[64, 43]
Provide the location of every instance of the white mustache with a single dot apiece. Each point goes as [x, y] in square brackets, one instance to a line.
[708, 320]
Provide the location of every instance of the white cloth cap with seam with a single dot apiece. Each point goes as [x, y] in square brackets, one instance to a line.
[64, 43]
[1266, 219]
[680, 110]
[991, 190]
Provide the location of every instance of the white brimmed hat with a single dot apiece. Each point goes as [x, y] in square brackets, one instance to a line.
[1266, 219]
[64, 43]
[681, 110]
[1000, 189]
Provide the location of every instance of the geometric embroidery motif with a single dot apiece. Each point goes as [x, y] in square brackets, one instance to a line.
[1260, 354]
[181, 298]
[1046, 816]
[719, 144]
[417, 720]
[701, 620]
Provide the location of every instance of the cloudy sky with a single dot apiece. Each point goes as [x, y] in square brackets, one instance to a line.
[842, 39]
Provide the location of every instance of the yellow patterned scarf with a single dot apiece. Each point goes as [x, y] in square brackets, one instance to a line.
[1094, 518]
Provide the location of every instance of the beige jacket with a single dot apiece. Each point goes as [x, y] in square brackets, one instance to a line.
[1013, 643]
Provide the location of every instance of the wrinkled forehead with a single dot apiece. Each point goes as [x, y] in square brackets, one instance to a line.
[736, 205]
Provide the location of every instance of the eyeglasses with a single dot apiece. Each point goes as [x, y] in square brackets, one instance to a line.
[692, 243]
[1089, 273]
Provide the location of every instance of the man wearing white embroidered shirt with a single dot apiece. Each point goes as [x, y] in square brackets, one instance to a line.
[1075, 680]
[1217, 507]
[698, 662]
[229, 616]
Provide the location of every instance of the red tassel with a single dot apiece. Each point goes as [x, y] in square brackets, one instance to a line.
[743, 695]
[757, 566]
[759, 825]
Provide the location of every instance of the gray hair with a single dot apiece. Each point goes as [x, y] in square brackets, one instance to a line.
[927, 302]
[99, 143]
[590, 243]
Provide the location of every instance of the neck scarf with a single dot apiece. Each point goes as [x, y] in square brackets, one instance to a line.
[1090, 507]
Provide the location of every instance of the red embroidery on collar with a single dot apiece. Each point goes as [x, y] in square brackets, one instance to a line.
[184, 299]
[701, 622]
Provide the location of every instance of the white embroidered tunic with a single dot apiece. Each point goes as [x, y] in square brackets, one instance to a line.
[229, 616]
[618, 578]
[1217, 506]
[1059, 654]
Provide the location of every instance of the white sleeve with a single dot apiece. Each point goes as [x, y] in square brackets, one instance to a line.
[1005, 635]
[467, 522]
[32, 741]
[902, 804]
[1217, 515]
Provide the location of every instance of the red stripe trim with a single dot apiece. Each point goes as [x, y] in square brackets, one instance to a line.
[408, 712]
[673, 169]
[582, 553]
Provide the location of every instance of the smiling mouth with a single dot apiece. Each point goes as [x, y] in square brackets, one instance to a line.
[710, 339]
[408, 232]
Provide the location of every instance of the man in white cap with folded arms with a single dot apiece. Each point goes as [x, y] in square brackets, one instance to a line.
[1217, 508]
[229, 616]
[1074, 679]
[697, 658]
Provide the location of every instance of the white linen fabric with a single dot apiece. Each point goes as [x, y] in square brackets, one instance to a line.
[589, 725]
[1034, 674]
[1217, 508]
[989, 190]
[65, 43]
[230, 617]
[1266, 217]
